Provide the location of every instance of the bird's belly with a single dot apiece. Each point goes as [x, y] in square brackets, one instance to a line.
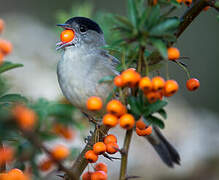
[78, 86]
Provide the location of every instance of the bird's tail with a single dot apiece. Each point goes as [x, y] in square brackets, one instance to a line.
[165, 150]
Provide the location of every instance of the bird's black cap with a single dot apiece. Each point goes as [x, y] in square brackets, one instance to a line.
[88, 23]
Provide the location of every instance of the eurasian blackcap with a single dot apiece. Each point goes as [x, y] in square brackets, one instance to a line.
[84, 63]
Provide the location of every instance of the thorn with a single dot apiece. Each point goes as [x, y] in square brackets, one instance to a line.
[132, 177]
[110, 157]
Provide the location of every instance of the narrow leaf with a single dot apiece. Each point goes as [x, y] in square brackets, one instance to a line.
[12, 98]
[156, 121]
[154, 107]
[132, 12]
[165, 26]
[161, 47]
[163, 113]
[8, 66]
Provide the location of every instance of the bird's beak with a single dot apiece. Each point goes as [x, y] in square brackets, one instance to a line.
[65, 26]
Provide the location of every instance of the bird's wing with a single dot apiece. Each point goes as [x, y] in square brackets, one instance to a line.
[113, 61]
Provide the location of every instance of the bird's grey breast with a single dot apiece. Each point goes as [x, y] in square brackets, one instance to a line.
[79, 73]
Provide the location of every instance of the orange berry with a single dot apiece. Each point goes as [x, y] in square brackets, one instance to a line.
[112, 148]
[110, 139]
[2, 25]
[127, 121]
[101, 167]
[67, 35]
[173, 53]
[187, 2]
[1, 57]
[25, 117]
[60, 152]
[91, 156]
[99, 148]
[87, 175]
[170, 88]
[179, 1]
[46, 165]
[110, 120]
[158, 83]
[63, 131]
[192, 84]
[6, 155]
[144, 132]
[118, 81]
[116, 108]
[130, 77]
[4, 176]
[99, 175]
[94, 103]
[145, 84]
[152, 96]
[17, 174]
[140, 124]
[5, 47]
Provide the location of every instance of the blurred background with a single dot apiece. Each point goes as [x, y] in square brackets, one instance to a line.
[193, 121]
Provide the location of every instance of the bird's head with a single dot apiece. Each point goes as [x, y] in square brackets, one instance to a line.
[87, 33]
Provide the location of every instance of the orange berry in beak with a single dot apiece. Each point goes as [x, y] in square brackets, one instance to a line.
[67, 35]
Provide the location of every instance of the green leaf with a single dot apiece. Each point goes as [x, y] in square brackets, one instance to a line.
[165, 26]
[161, 46]
[6, 66]
[156, 121]
[13, 98]
[123, 20]
[154, 16]
[154, 107]
[135, 108]
[106, 79]
[132, 12]
[163, 113]
[218, 17]
[144, 17]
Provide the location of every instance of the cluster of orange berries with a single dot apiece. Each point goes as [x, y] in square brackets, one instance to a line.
[108, 145]
[63, 131]
[100, 173]
[153, 89]
[58, 153]
[14, 174]
[5, 46]
[116, 113]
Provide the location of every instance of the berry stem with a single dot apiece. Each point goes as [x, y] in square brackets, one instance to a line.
[184, 68]
[125, 149]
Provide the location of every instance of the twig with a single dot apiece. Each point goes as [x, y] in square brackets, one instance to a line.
[124, 160]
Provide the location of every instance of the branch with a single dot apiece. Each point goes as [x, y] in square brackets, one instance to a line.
[81, 163]
[186, 20]
[124, 160]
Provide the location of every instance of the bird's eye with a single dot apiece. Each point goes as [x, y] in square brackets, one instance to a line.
[83, 28]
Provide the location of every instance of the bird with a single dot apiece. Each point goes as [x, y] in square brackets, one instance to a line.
[84, 63]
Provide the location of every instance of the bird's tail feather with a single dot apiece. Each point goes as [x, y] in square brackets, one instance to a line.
[165, 150]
